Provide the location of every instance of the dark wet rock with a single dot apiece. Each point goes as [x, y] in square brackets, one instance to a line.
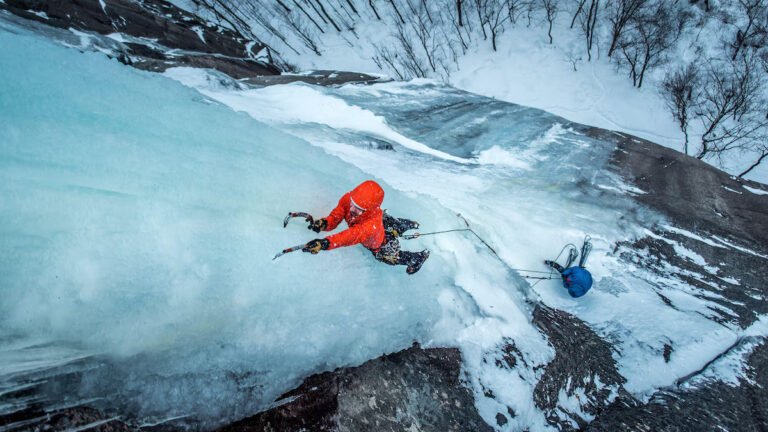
[73, 419]
[318, 77]
[501, 419]
[156, 35]
[701, 199]
[733, 281]
[713, 405]
[414, 389]
[582, 363]
[731, 224]
[667, 352]
[692, 193]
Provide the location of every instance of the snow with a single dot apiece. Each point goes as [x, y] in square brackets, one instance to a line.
[119, 37]
[200, 32]
[731, 368]
[529, 71]
[41, 14]
[755, 190]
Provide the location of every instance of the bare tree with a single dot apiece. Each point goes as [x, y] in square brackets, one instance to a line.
[579, 9]
[754, 30]
[732, 108]
[352, 6]
[762, 154]
[649, 36]
[550, 11]
[397, 11]
[302, 31]
[479, 4]
[493, 15]
[375, 12]
[462, 31]
[298, 5]
[328, 17]
[574, 58]
[423, 32]
[620, 14]
[516, 8]
[680, 92]
[387, 58]
[588, 25]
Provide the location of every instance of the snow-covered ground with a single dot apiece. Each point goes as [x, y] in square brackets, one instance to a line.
[529, 71]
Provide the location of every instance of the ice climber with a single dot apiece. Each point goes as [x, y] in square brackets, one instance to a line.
[368, 225]
[576, 279]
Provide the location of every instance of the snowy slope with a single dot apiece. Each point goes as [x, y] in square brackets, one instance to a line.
[528, 70]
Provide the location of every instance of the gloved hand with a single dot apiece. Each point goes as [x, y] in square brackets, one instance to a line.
[316, 246]
[318, 225]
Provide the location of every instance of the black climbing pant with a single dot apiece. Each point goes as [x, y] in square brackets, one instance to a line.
[389, 252]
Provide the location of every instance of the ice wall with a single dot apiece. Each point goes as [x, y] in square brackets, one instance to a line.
[138, 221]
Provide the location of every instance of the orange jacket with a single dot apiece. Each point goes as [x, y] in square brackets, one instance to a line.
[367, 228]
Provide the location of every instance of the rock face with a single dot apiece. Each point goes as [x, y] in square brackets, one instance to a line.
[693, 194]
[151, 34]
[697, 198]
[582, 362]
[711, 406]
[415, 389]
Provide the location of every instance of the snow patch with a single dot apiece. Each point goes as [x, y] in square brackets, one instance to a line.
[117, 37]
[755, 190]
[693, 236]
[500, 156]
[41, 14]
[200, 32]
[737, 247]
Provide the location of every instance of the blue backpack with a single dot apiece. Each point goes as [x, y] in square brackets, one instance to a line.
[577, 280]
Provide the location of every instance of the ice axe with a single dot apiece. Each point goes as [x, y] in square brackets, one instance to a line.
[307, 217]
[289, 250]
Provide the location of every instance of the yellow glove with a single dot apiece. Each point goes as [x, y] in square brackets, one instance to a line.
[316, 246]
[318, 225]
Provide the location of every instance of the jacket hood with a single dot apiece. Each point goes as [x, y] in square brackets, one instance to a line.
[368, 195]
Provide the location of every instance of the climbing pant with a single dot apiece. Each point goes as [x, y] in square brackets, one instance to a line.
[389, 252]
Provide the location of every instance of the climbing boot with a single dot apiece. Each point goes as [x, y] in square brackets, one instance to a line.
[418, 261]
